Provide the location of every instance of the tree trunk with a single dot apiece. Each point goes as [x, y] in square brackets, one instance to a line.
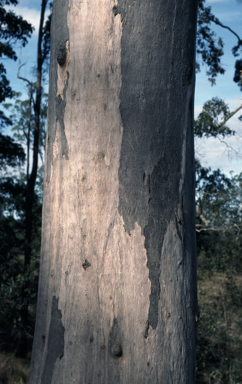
[22, 347]
[117, 291]
[31, 181]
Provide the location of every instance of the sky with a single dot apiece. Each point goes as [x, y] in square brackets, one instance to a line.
[212, 153]
[30, 10]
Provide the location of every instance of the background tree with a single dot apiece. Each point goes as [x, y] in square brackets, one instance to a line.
[42, 54]
[28, 123]
[218, 224]
[210, 48]
[19, 283]
[219, 243]
[13, 29]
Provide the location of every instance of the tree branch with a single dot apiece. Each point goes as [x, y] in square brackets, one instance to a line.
[230, 149]
[204, 193]
[25, 79]
[20, 77]
[216, 21]
[230, 115]
[204, 228]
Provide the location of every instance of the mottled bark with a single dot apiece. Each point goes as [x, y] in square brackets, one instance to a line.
[117, 292]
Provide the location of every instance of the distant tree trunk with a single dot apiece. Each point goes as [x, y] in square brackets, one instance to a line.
[117, 291]
[22, 347]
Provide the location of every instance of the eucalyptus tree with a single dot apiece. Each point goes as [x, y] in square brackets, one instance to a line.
[117, 289]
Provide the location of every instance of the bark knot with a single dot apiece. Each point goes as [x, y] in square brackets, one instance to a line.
[86, 265]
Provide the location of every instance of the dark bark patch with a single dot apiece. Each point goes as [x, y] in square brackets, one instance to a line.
[60, 112]
[59, 36]
[116, 10]
[146, 329]
[61, 54]
[151, 150]
[86, 265]
[146, 179]
[164, 185]
[187, 77]
[117, 350]
[115, 347]
[55, 348]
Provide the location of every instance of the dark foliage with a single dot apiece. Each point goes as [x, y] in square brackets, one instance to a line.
[13, 28]
[238, 73]
[219, 244]
[209, 47]
[210, 122]
[19, 287]
[219, 220]
[46, 41]
[15, 278]
[11, 153]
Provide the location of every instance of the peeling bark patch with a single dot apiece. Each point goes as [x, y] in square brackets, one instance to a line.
[86, 265]
[61, 54]
[62, 70]
[59, 35]
[55, 348]
[162, 207]
[60, 112]
[116, 10]
[150, 157]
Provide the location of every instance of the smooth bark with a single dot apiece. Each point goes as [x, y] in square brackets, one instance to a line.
[117, 291]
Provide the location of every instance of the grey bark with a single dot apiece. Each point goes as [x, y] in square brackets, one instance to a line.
[117, 292]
